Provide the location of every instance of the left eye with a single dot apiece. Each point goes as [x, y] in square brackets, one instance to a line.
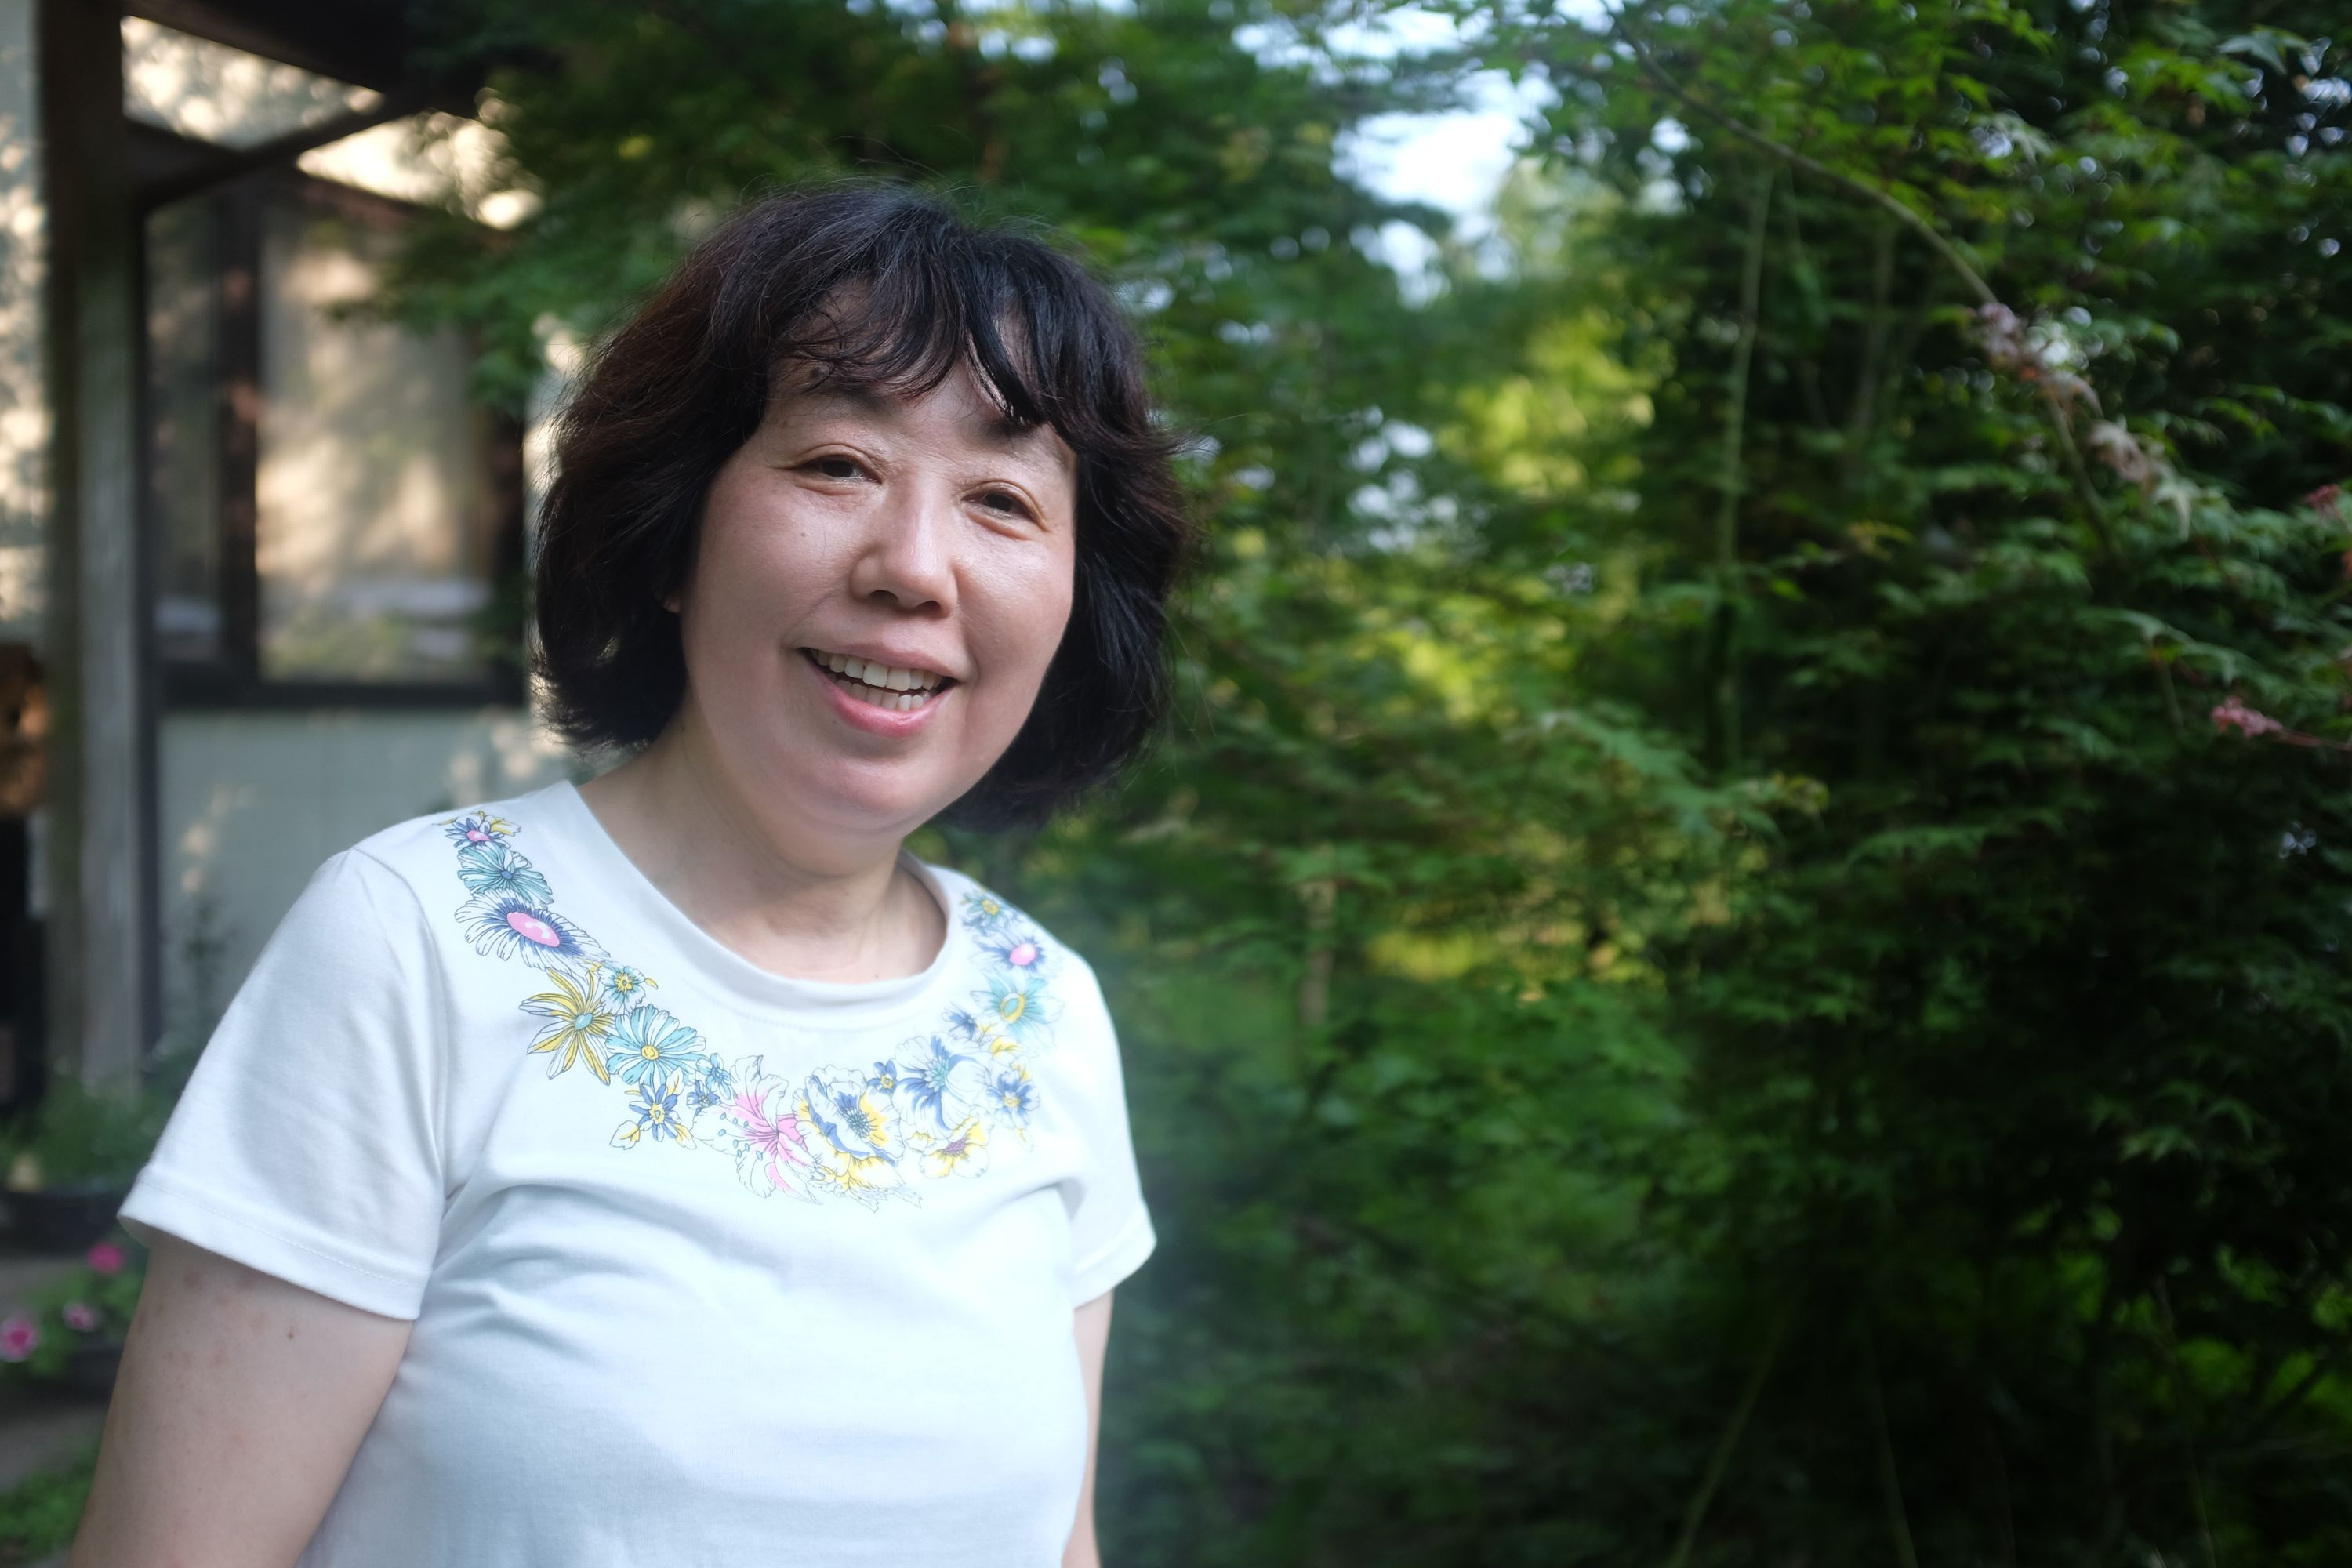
[1004, 502]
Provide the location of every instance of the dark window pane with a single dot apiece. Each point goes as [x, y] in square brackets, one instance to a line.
[184, 389]
[376, 516]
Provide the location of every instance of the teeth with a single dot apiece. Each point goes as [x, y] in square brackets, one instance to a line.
[885, 686]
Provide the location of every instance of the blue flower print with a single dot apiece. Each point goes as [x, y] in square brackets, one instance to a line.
[506, 925]
[624, 987]
[851, 1116]
[476, 827]
[712, 1088]
[852, 1132]
[650, 1042]
[1014, 947]
[658, 1115]
[721, 1081]
[939, 1083]
[1015, 1008]
[981, 913]
[1011, 1098]
[884, 1078]
[495, 867]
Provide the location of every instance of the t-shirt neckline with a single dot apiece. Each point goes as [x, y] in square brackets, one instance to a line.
[828, 1002]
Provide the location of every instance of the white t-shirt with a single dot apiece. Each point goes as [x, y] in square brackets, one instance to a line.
[706, 1265]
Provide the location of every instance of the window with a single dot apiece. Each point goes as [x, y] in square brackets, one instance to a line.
[334, 520]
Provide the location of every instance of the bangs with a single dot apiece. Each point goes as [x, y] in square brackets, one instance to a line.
[904, 332]
[898, 307]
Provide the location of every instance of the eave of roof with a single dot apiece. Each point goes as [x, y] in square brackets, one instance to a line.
[370, 43]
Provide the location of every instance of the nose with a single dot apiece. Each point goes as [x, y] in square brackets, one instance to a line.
[907, 560]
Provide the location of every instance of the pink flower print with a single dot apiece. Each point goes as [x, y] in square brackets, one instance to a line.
[79, 1316]
[1023, 954]
[19, 1336]
[770, 1152]
[2236, 715]
[105, 1258]
[531, 928]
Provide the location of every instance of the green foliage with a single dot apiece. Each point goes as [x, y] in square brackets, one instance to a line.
[78, 1135]
[1736, 954]
[39, 1514]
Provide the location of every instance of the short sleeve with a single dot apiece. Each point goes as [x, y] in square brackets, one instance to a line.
[1110, 1227]
[306, 1144]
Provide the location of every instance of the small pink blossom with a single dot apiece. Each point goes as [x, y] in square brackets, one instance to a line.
[79, 1316]
[106, 1258]
[2327, 500]
[18, 1335]
[2234, 713]
[1023, 955]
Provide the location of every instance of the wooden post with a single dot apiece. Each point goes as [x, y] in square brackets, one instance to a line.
[99, 954]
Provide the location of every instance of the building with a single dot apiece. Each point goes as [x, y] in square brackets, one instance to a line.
[260, 553]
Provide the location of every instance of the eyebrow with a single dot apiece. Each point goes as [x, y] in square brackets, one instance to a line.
[994, 429]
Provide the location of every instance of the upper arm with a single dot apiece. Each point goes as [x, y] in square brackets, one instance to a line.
[241, 1401]
[1091, 1323]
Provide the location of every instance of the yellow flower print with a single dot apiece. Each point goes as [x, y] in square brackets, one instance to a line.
[960, 1153]
[576, 1021]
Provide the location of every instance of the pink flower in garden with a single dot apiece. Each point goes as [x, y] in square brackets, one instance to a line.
[2327, 500]
[106, 1258]
[2234, 713]
[79, 1316]
[18, 1335]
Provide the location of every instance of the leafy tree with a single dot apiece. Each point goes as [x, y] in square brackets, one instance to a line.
[2012, 334]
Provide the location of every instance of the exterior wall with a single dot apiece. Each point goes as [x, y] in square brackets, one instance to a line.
[250, 802]
[24, 397]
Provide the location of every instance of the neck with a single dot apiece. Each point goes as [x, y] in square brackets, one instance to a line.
[796, 898]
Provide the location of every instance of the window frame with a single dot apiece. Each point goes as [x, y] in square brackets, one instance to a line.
[233, 679]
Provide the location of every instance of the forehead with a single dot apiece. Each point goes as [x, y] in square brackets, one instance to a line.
[807, 394]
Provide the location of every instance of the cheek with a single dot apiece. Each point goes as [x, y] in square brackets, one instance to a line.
[754, 569]
[1028, 612]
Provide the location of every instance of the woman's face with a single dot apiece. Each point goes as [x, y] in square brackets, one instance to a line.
[878, 587]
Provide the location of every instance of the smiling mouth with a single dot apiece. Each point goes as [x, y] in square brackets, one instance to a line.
[892, 687]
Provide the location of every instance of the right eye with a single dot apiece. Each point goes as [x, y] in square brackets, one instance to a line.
[837, 468]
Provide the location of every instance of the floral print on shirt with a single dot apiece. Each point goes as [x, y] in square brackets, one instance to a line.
[942, 1107]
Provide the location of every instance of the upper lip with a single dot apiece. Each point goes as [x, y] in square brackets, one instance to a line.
[874, 653]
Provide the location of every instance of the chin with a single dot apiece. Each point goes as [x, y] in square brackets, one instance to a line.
[870, 805]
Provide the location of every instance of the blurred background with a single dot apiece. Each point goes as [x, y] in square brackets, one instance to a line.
[1738, 951]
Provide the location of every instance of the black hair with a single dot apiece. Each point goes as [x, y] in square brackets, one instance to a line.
[879, 288]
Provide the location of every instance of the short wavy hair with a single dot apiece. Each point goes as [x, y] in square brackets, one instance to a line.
[888, 290]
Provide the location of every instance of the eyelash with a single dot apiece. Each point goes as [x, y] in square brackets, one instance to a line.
[1019, 507]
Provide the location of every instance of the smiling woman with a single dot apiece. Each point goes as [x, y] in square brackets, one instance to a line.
[866, 517]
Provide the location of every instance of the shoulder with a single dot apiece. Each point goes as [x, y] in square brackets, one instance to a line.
[1003, 928]
[428, 844]
[412, 866]
[1025, 963]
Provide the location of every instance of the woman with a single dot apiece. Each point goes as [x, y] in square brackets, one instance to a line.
[673, 1168]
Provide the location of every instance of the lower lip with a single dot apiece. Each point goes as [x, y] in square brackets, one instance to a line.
[863, 715]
